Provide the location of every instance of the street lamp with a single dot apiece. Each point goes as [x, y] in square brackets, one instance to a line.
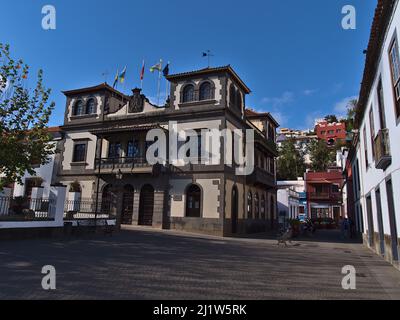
[119, 175]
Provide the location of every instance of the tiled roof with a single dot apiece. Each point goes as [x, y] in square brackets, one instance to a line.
[250, 113]
[383, 13]
[204, 71]
[102, 86]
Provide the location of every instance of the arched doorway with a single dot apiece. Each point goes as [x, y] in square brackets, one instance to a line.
[235, 206]
[193, 201]
[127, 205]
[146, 205]
[107, 200]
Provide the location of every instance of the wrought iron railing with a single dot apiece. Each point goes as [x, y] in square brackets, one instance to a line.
[86, 209]
[383, 156]
[121, 163]
[26, 209]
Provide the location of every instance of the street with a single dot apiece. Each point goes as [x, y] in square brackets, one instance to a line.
[139, 263]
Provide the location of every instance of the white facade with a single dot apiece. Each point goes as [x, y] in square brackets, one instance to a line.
[377, 186]
[288, 202]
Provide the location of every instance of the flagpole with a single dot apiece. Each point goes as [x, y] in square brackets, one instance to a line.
[142, 75]
[158, 89]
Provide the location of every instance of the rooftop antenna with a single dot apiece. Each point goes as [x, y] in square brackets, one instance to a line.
[208, 54]
[105, 75]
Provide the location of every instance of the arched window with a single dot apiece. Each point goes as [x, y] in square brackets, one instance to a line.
[256, 206]
[249, 205]
[232, 95]
[263, 207]
[78, 108]
[205, 91]
[91, 106]
[188, 93]
[193, 201]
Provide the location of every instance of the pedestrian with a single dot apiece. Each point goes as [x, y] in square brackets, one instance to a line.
[346, 228]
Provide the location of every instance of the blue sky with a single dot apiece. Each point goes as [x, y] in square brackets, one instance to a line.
[294, 55]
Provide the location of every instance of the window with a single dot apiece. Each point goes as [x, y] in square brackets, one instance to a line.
[263, 207]
[188, 93]
[335, 188]
[331, 132]
[232, 95]
[372, 130]
[249, 205]
[205, 91]
[395, 68]
[256, 206]
[323, 132]
[239, 100]
[365, 147]
[193, 198]
[78, 108]
[381, 106]
[114, 151]
[338, 131]
[79, 152]
[91, 106]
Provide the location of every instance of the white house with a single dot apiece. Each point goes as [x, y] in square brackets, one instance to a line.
[47, 173]
[375, 155]
[288, 202]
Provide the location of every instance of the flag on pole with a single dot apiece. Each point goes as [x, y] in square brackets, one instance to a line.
[142, 71]
[116, 79]
[122, 75]
[166, 70]
[157, 66]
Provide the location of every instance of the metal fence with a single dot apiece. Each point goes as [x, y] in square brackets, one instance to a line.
[26, 209]
[86, 209]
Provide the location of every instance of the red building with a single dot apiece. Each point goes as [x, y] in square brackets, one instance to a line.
[331, 132]
[324, 194]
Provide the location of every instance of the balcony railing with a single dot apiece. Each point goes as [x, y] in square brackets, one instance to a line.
[383, 158]
[325, 195]
[122, 163]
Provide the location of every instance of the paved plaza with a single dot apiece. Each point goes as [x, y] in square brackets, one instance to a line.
[139, 263]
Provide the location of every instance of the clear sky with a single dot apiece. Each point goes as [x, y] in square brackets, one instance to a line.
[294, 55]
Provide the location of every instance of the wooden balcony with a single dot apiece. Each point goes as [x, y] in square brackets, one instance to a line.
[262, 178]
[383, 157]
[329, 196]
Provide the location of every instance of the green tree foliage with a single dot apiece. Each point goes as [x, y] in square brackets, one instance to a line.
[321, 156]
[351, 112]
[331, 118]
[24, 116]
[290, 164]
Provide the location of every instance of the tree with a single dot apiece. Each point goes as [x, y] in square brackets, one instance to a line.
[351, 112]
[290, 164]
[331, 118]
[321, 156]
[24, 116]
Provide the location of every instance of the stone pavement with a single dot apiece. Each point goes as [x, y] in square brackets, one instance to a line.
[141, 263]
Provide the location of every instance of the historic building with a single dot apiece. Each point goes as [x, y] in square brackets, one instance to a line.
[105, 152]
[375, 153]
[331, 132]
[324, 194]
